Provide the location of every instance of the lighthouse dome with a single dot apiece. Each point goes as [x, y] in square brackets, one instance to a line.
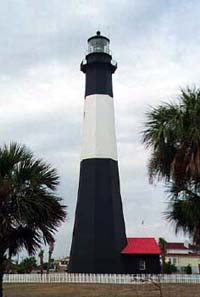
[98, 44]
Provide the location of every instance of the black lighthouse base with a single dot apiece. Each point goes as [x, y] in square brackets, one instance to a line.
[99, 229]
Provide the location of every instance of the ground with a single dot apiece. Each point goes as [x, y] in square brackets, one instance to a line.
[87, 290]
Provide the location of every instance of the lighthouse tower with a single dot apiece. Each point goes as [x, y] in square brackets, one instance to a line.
[99, 229]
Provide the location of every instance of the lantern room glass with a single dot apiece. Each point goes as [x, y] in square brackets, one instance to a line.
[98, 45]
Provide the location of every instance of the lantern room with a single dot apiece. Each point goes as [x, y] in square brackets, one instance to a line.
[98, 44]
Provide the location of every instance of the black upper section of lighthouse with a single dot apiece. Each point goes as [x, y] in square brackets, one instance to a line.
[98, 66]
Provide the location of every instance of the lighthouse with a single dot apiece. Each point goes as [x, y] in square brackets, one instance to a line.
[99, 228]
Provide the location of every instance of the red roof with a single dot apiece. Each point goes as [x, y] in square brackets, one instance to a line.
[176, 246]
[141, 246]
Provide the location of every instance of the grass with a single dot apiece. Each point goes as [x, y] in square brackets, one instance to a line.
[93, 290]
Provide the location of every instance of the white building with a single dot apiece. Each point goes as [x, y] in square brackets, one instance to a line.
[183, 254]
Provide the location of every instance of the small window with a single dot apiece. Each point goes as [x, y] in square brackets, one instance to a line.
[174, 261]
[142, 265]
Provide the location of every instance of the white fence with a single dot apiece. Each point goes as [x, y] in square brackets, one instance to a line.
[101, 278]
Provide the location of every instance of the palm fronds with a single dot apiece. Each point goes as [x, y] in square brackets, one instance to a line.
[30, 210]
[172, 131]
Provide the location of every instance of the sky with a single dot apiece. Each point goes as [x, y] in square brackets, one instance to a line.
[157, 46]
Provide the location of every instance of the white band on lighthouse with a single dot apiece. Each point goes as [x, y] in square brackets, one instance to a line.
[99, 139]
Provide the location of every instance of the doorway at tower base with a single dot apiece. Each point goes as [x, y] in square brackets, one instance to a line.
[99, 228]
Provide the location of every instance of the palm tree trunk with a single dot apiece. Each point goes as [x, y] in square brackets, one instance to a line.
[162, 265]
[41, 256]
[1, 284]
[51, 248]
[1, 275]
[49, 262]
[41, 265]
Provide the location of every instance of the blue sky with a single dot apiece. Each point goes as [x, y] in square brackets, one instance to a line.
[157, 46]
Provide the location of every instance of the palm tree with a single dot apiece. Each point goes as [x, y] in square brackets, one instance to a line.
[163, 251]
[41, 256]
[51, 248]
[27, 265]
[30, 210]
[172, 131]
[184, 210]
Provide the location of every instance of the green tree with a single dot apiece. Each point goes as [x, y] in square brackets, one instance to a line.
[184, 210]
[41, 257]
[172, 131]
[51, 248]
[163, 250]
[188, 269]
[30, 210]
[169, 268]
[27, 265]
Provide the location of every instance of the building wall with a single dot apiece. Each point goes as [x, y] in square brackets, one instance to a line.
[132, 263]
[176, 251]
[181, 261]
